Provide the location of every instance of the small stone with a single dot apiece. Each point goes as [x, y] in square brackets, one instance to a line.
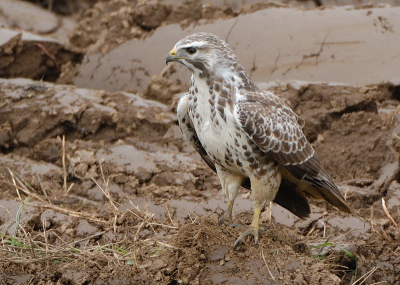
[69, 232]
[363, 90]
[125, 23]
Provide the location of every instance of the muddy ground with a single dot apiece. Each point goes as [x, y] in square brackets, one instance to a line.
[99, 187]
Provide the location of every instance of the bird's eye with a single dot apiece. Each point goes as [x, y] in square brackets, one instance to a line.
[191, 50]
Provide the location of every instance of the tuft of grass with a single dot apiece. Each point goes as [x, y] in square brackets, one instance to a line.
[18, 215]
[14, 241]
[345, 251]
[342, 249]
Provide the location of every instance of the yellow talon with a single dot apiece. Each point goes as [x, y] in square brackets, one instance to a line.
[253, 229]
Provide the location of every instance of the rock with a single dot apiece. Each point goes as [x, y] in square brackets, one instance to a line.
[27, 16]
[23, 54]
[150, 15]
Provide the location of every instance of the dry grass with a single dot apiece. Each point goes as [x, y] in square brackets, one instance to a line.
[33, 246]
[364, 278]
[266, 265]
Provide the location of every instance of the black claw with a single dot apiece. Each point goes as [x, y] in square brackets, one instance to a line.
[236, 243]
[250, 231]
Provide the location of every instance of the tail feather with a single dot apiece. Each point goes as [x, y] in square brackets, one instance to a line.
[323, 186]
[327, 191]
[293, 199]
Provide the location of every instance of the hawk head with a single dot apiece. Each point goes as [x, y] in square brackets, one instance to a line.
[205, 55]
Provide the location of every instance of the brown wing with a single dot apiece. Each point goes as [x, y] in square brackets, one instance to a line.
[275, 129]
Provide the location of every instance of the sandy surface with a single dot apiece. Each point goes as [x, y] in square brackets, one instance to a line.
[99, 187]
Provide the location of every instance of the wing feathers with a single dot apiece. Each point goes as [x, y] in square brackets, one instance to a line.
[277, 131]
[274, 128]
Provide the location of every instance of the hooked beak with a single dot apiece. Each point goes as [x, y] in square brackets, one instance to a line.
[171, 56]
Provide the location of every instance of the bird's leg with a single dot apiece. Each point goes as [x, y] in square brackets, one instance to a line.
[230, 184]
[263, 190]
[227, 216]
[254, 227]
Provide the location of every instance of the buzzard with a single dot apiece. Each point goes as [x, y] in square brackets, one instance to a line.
[248, 136]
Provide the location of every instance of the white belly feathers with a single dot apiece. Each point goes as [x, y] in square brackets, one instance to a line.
[217, 132]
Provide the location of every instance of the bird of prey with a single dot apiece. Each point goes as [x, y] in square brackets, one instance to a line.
[248, 136]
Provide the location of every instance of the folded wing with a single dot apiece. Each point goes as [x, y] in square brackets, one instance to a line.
[277, 131]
